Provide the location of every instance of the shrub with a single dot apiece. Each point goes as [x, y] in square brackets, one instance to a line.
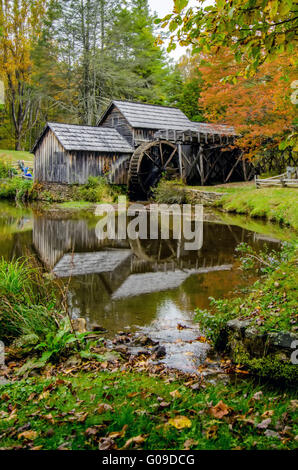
[6, 171]
[170, 192]
[16, 188]
[97, 189]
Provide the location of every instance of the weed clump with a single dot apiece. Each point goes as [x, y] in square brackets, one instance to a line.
[170, 192]
[27, 301]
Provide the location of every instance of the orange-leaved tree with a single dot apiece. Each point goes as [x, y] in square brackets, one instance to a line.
[261, 108]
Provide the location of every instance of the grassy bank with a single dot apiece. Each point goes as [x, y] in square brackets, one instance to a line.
[269, 307]
[110, 410]
[13, 156]
[275, 204]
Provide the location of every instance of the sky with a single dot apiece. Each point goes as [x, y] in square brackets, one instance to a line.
[162, 8]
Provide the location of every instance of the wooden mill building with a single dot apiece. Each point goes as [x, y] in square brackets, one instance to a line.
[135, 144]
[69, 154]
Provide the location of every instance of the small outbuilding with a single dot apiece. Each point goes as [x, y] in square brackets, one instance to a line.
[69, 154]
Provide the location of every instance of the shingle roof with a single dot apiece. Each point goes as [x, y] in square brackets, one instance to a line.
[214, 128]
[79, 264]
[149, 116]
[86, 138]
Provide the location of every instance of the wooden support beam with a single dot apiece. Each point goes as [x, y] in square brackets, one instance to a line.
[233, 168]
[244, 169]
[180, 161]
[201, 155]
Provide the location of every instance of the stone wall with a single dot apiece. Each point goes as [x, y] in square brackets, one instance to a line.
[206, 198]
[266, 354]
[57, 191]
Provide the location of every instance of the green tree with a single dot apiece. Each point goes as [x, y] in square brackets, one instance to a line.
[256, 29]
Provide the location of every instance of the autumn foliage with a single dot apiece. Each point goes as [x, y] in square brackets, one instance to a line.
[259, 107]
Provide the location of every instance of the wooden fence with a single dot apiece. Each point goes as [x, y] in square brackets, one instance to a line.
[282, 181]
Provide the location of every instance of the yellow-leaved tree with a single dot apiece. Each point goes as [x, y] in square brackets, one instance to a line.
[20, 27]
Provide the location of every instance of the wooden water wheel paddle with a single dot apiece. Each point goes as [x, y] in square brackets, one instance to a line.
[148, 164]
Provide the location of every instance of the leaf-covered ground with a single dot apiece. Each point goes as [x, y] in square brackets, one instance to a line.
[110, 410]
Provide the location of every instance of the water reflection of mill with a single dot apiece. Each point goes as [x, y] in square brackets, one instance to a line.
[106, 272]
[126, 267]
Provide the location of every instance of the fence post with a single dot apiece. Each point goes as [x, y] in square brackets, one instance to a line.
[256, 181]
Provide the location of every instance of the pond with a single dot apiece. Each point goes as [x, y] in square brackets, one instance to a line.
[152, 286]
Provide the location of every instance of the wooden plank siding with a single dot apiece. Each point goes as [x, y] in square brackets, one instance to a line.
[114, 119]
[50, 163]
[53, 164]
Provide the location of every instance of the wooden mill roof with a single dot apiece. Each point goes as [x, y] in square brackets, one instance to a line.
[87, 138]
[149, 116]
[79, 264]
[220, 129]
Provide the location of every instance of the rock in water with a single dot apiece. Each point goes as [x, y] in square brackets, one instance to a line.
[79, 325]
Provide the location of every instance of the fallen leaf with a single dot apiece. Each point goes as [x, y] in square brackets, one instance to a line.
[258, 395]
[270, 433]
[189, 443]
[49, 417]
[5, 397]
[268, 413]
[81, 417]
[134, 440]
[294, 405]
[175, 394]
[103, 408]
[164, 404]
[44, 395]
[106, 443]
[28, 435]
[92, 431]
[211, 433]
[202, 339]
[264, 424]
[220, 410]
[116, 434]
[180, 422]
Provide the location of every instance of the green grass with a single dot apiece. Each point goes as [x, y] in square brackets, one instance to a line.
[27, 301]
[275, 204]
[226, 188]
[66, 412]
[75, 205]
[12, 156]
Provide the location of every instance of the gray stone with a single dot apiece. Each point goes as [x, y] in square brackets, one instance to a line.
[283, 339]
[238, 325]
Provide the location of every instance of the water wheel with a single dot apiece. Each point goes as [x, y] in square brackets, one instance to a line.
[148, 164]
[159, 251]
